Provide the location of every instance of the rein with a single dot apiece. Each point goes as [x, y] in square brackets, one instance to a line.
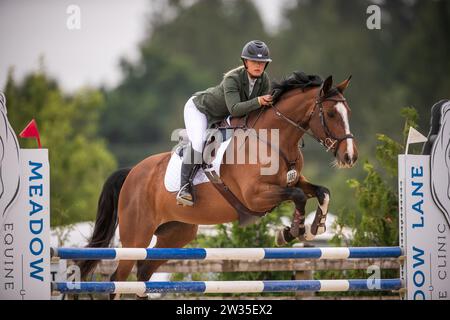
[331, 142]
[291, 164]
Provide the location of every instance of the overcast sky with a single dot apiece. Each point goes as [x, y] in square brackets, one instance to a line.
[110, 29]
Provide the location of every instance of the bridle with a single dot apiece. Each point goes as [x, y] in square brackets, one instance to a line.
[331, 142]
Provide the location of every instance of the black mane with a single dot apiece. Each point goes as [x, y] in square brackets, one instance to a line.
[296, 80]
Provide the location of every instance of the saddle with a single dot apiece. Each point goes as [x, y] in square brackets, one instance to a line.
[226, 128]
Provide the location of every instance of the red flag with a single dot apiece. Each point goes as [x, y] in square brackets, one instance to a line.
[31, 131]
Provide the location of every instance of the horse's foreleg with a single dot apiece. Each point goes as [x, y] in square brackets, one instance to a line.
[269, 194]
[298, 220]
[323, 196]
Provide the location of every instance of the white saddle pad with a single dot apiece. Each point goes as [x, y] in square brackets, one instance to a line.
[173, 171]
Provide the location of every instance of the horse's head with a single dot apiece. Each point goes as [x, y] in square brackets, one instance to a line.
[329, 122]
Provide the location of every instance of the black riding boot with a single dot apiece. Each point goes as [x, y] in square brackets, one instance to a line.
[188, 170]
[184, 196]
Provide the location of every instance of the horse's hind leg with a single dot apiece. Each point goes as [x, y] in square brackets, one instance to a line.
[121, 274]
[169, 235]
[132, 235]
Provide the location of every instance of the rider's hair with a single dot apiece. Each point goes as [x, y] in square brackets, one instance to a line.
[231, 71]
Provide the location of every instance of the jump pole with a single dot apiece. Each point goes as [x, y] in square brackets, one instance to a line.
[225, 253]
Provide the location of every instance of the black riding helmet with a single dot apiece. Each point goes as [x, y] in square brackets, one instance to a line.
[256, 50]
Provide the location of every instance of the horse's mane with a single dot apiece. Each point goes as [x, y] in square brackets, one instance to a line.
[296, 80]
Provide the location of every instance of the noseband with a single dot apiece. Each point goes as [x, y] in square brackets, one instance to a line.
[331, 142]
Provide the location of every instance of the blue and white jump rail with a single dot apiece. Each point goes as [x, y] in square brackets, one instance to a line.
[225, 253]
[253, 254]
[139, 288]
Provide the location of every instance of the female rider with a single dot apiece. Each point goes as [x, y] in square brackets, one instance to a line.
[241, 91]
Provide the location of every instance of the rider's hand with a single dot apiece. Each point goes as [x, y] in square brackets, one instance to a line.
[265, 100]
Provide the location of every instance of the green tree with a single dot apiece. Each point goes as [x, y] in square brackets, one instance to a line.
[421, 60]
[79, 160]
[186, 49]
[211, 33]
[147, 106]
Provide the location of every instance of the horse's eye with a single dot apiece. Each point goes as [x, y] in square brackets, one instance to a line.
[331, 114]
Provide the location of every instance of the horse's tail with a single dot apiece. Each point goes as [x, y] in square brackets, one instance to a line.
[106, 221]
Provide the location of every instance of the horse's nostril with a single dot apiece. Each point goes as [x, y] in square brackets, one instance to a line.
[347, 158]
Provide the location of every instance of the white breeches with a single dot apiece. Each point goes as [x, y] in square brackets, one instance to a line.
[196, 125]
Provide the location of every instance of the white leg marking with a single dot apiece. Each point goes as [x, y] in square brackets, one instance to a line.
[308, 234]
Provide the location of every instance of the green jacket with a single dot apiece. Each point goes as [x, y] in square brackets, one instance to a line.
[231, 96]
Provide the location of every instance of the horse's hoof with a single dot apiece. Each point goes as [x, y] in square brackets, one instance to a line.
[284, 237]
[145, 297]
[307, 235]
[294, 232]
[321, 229]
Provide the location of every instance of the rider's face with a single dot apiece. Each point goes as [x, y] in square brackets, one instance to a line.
[255, 68]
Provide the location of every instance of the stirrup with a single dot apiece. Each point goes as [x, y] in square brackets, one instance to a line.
[186, 199]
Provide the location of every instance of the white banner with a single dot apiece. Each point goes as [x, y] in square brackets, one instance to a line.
[25, 231]
[424, 232]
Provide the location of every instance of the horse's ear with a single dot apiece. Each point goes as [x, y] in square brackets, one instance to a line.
[343, 85]
[327, 84]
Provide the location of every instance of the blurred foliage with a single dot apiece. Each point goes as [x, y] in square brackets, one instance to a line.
[375, 221]
[79, 159]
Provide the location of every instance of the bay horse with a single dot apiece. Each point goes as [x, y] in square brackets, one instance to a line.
[137, 200]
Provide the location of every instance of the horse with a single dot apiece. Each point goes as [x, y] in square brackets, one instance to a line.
[136, 200]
